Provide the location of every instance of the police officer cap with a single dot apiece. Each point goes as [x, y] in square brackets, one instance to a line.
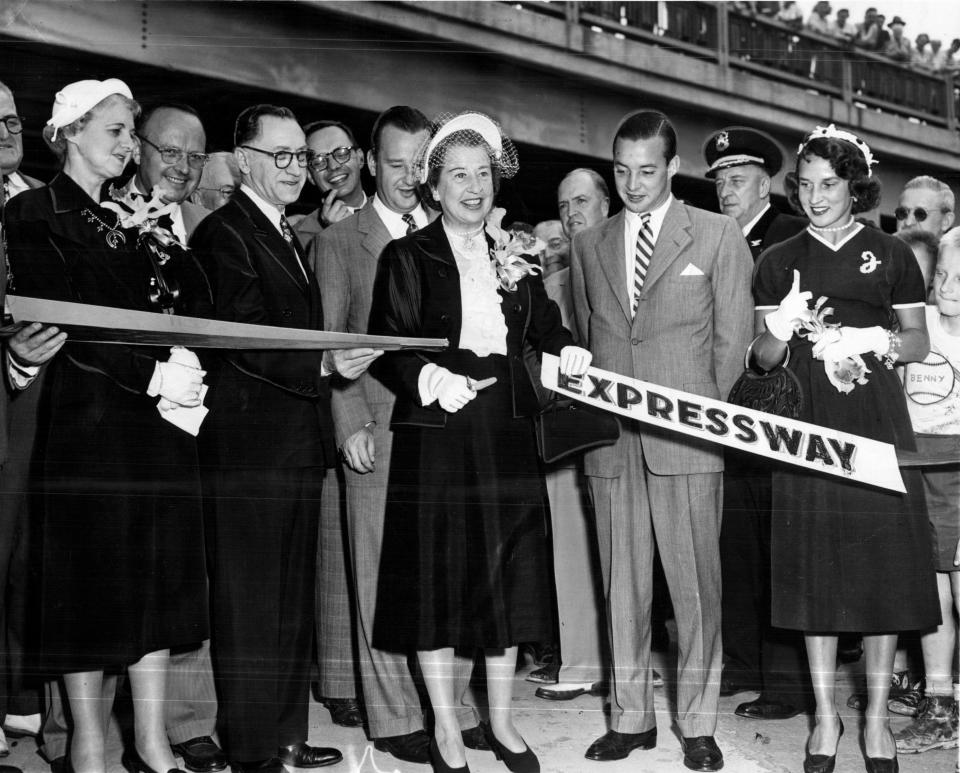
[737, 145]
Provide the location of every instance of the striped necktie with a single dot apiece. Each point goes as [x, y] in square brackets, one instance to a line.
[411, 223]
[642, 262]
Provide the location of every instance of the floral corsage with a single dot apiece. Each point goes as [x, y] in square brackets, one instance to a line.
[508, 250]
[144, 215]
[844, 374]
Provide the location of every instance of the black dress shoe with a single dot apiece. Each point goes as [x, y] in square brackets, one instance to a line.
[439, 763]
[616, 746]
[516, 762]
[882, 765]
[544, 675]
[822, 763]
[552, 694]
[475, 738]
[270, 765]
[303, 755]
[346, 712]
[701, 753]
[762, 708]
[133, 762]
[201, 754]
[412, 747]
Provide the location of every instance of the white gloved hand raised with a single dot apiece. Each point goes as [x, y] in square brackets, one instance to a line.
[452, 390]
[574, 360]
[852, 341]
[792, 310]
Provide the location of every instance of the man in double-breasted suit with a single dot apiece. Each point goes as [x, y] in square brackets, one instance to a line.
[661, 293]
[265, 446]
[344, 257]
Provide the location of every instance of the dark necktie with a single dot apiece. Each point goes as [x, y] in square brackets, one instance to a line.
[642, 263]
[411, 223]
[286, 230]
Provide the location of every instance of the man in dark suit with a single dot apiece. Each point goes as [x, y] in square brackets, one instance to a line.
[661, 293]
[20, 356]
[742, 162]
[265, 445]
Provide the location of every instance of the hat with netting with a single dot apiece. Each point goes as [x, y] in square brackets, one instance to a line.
[467, 129]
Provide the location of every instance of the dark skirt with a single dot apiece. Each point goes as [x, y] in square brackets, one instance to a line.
[464, 559]
[124, 571]
[848, 557]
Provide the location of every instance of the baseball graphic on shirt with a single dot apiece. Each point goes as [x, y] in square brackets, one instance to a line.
[930, 381]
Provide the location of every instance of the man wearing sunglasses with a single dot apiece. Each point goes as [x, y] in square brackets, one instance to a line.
[264, 449]
[926, 204]
[334, 167]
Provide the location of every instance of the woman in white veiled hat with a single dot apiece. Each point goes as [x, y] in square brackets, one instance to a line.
[464, 562]
[123, 565]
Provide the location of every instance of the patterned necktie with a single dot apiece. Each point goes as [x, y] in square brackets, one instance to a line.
[286, 230]
[411, 223]
[642, 263]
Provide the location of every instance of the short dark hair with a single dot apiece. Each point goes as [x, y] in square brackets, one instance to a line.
[848, 164]
[147, 112]
[598, 182]
[403, 117]
[316, 126]
[644, 124]
[247, 127]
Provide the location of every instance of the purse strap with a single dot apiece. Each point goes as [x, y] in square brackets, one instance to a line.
[749, 352]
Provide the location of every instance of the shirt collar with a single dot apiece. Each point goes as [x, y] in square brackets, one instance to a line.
[749, 226]
[15, 184]
[394, 220]
[656, 216]
[272, 212]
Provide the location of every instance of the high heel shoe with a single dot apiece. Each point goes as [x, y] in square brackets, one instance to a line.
[883, 764]
[517, 762]
[821, 763]
[439, 764]
[133, 762]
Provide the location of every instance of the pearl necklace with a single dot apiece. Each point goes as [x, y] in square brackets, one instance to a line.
[468, 237]
[114, 237]
[843, 227]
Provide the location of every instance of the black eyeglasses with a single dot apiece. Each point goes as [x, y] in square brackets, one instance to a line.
[14, 123]
[224, 190]
[282, 158]
[919, 213]
[175, 155]
[318, 161]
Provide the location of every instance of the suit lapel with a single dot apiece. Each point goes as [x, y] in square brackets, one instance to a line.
[612, 261]
[673, 239]
[272, 243]
[374, 235]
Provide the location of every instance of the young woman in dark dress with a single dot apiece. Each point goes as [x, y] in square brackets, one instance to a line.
[464, 562]
[124, 576]
[846, 557]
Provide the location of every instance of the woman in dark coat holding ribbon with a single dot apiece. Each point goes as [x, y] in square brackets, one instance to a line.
[123, 566]
[464, 562]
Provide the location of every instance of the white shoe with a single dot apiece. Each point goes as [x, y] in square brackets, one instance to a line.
[22, 724]
[4, 749]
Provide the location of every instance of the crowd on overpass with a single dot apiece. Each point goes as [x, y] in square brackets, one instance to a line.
[201, 522]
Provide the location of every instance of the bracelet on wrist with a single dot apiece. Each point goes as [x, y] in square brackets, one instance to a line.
[892, 354]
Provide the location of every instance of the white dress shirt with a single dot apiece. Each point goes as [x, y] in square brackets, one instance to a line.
[631, 231]
[393, 221]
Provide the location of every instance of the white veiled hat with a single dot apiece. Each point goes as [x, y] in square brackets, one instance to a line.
[75, 99]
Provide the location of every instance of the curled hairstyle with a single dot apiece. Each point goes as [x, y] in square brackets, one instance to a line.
[247, 127]
[848, 164]
[59, 145]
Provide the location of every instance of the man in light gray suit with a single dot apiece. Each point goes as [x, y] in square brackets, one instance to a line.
[661, 293]
[344, 258]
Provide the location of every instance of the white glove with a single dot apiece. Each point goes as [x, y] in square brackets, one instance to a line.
[179, 380]
[574, 360]
[451, 390]
[792, 309]
[852, 341]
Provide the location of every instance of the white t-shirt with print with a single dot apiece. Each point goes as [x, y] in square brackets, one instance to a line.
[933, 386]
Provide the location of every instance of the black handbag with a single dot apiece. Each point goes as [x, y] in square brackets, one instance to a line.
[566, 426]
[778, 391]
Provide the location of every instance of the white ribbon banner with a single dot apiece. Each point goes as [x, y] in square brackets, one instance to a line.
[795, 442]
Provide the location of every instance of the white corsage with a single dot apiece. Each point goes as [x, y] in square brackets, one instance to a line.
[508, 250]
[844, 374]
[143, 214]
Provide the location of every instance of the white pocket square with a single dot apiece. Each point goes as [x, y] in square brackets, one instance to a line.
[691, 270]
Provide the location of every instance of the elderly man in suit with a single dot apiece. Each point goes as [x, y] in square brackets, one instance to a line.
[344, 257]
[220, 178]
[264, 446]
[661, 293]
[21, 355]
[741, 161]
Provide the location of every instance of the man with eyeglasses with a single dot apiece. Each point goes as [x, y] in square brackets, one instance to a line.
[336, 160]
[926, 204]
[264, 449]
[219, 181]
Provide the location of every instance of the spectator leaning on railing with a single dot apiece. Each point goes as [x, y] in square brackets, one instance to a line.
[898, 47]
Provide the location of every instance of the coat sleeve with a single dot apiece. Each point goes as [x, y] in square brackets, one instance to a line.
[237, 297]
[732, 306]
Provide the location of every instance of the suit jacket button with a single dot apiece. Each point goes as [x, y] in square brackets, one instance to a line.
[517, 307]
[444, 318]
[635, 341]
[286, 312]
[442, 273]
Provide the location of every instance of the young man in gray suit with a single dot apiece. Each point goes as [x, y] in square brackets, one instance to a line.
[344, 258]
[661, 293]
